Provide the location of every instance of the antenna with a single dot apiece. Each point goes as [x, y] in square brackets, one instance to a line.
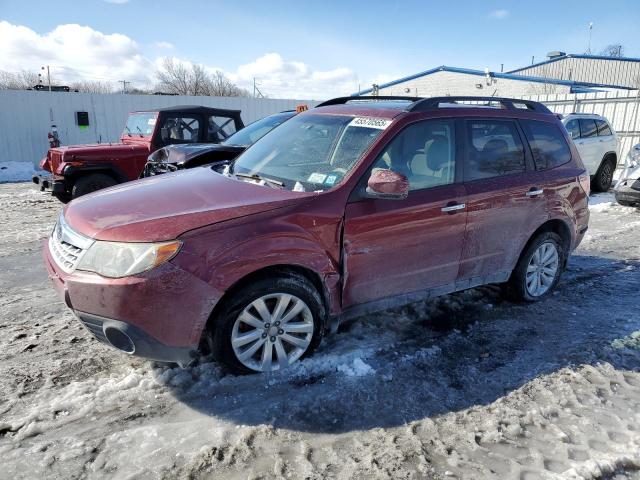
[589, 46]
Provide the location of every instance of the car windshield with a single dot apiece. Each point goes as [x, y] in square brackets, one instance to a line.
[310, 152]
[258, 129]
[140, 124]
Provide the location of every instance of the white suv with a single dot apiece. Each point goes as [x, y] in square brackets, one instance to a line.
[597, 144]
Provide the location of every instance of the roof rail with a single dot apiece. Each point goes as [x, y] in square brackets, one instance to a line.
[343, 100]
[506, 103]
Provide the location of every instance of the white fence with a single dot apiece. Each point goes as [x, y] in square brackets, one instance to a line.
[621, 109]
[26, 116]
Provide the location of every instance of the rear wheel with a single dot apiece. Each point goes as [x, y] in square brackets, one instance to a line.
[539, 268]
[92, 183]
[269, 325]
[604, 176]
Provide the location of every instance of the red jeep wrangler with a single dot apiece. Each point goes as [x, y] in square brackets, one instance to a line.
[80, 169]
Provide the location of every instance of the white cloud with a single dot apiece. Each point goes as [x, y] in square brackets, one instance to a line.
[167, 45]
[76, 52]
[499, 14]
[280, 78]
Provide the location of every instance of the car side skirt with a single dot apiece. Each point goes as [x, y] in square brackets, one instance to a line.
[417, 296]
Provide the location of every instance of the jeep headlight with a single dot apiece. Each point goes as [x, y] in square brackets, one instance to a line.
[121, 259]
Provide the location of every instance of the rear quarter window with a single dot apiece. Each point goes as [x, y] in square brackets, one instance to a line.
[548, 144]
[603, 128]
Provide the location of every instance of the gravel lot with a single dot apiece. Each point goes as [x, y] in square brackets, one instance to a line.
[467, 386]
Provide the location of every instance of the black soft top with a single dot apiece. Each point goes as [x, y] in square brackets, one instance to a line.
[209, 111]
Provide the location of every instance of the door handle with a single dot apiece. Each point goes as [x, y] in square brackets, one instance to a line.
[454, 208]
[534, 192]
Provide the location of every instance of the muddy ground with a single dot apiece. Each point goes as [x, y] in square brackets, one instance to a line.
[467, 386]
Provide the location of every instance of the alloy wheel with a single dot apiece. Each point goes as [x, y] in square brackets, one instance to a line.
[272, 332]
[606, 175]
[542, 269]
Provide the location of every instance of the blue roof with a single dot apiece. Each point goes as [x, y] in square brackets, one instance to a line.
[582, 86]
[573, 55]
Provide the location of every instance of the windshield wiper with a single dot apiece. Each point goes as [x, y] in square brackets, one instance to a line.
[258, 178]
[141, 135]
[128, 131]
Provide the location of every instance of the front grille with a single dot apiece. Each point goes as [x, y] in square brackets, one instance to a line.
[67, 246]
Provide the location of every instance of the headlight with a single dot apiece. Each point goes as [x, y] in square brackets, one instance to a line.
[120, 259]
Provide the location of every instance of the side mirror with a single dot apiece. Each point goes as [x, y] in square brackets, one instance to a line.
[387, 184]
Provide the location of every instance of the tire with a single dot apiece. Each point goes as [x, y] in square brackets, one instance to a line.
[521, 285]
[604, 176]
[91, 183]
[63, 197]
[308, 323]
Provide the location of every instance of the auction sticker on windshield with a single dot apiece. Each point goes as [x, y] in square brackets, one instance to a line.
[369, 122]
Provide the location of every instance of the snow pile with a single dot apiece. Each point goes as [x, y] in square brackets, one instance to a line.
[606, 202]
[356, 369]
[16, 171]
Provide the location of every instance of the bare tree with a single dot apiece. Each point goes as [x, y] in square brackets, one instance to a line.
[223, 87]
[18, 81]
[614, 50]
[179, 78]
[92, 86]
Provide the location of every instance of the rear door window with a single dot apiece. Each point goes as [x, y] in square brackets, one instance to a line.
[573, 128]
[588, 128]
[494, 149]
[181, 129]
[603, 128]
[548, 145]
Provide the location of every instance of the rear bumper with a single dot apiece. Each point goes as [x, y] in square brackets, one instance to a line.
[160, 314]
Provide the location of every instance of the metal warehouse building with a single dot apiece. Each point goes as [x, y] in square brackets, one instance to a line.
[620, 71]
[561, 74]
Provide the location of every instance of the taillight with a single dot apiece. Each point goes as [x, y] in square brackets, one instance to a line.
[585, 182]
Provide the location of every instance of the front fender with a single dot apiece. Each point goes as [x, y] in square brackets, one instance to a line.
[222, 257]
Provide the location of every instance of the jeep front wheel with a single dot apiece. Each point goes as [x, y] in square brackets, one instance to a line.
[91, 183]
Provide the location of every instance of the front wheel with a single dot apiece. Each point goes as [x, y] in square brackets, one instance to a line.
[604, 176]
[91, 183]
[539, 268]
[269, 325]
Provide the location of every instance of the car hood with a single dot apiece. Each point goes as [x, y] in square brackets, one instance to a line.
[100, 148]
[181, 154]
[164, 207]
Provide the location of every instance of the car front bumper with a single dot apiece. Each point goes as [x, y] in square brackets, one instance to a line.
[49, 183]
[628, 190]
[159, 314]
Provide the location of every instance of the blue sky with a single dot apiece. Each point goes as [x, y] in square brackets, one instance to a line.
[320, 47]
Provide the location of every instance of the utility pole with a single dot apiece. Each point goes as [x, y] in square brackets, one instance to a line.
[48, 75]
[256, 90]
[124, 86]
[589, 46]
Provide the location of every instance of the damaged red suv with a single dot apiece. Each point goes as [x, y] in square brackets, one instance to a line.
[357, 205]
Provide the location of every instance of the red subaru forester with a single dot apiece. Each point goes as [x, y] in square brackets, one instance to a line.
[360, 204]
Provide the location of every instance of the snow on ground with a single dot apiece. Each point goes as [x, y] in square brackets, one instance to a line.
[16, 171]
[467, 386]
